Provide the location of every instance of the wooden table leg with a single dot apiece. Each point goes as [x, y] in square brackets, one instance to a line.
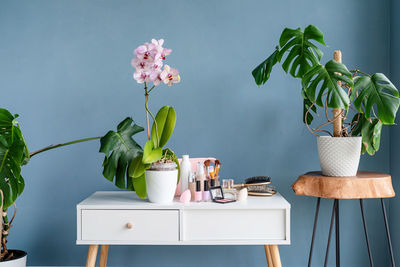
[103, 256]
[276, 259]
[92, 254]
[268, 255]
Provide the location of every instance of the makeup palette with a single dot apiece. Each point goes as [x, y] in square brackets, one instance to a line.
[217, 195]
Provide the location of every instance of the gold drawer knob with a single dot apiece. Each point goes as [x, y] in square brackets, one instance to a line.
[129, 225]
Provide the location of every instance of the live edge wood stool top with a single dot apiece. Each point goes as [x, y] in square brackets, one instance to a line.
[364, 185]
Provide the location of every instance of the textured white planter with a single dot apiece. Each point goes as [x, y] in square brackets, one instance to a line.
[161, 186]
[20, 262]
[339, 156]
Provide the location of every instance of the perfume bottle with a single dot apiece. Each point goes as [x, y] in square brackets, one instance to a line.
[229, 190]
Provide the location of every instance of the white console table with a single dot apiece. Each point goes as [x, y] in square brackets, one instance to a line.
[121, 218]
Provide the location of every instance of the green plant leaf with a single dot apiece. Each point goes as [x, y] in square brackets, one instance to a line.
[166, 119]
[370, 131]
[139, 185]
[262, 72]
[328, 75]
[151, 154]
[137, 167]
[302, 53]
[377, 90]
[120, 149]
[307, 103]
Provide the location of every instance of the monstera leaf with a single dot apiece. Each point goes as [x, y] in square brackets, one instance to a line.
[120, 149]
[328, 75]
[377, 90]
[370, 131]
[262, 72]
[166, 119]
[303, 54]
[13, 153]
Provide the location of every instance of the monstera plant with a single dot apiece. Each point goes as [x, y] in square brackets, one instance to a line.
[370, 101]
[331, 85]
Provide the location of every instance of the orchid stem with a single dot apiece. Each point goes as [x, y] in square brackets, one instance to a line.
[146, 94]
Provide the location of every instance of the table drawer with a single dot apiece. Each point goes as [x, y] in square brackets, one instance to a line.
[146, 225]
[234, 224]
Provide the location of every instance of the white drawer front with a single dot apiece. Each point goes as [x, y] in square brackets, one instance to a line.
[234, 224]
[146, 225]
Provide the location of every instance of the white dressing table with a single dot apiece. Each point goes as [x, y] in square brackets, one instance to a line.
[121, 218]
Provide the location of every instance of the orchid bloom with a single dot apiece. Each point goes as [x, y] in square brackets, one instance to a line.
[170, 75]
[148, 63]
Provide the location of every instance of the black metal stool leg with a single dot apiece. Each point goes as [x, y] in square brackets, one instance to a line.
[313, 233]
[337, 234]
[330, 232]
[371, 262]
[387, 232]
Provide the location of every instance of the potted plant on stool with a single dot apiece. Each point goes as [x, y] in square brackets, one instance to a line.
[371, 100]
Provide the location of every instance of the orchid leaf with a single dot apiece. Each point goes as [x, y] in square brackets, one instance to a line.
[165, 119]
[120, 149]
[151, 154]
[139, 185]
[137, 167]
[328, 76]
[377, 90]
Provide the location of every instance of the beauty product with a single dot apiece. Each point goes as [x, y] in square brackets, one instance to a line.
[185, 196]
[217, 195]
[242, 195]
[198, 193]
[185, 171]
[212, 182]
[201, 176]
[192, 184]
[206, 192]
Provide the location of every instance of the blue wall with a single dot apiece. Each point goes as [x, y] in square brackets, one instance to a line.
[395, 130]
[65, 68]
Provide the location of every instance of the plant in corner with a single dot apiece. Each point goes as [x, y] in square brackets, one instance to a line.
[124, 157]
[371, 100]
[154, 170]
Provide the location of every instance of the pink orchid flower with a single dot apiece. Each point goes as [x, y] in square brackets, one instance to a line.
[155, 77]
[161, 51]
[170, 75]
[141, 76]
[145, 52]
[140, 64]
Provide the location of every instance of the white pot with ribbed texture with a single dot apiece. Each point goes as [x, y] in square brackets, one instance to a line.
[161, 185]
[19, 261]
[339, 156]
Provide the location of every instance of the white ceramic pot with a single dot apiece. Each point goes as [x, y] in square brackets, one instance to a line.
[19, 262]
[339, 156]
[161, 185]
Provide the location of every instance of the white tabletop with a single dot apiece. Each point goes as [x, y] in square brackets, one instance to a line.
[129, 200]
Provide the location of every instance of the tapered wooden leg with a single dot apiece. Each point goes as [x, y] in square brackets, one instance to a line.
[268, 255]
[276, 259]
[91, 257]
[103, 256]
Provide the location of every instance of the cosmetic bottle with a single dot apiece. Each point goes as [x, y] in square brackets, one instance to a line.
[198, 193]
[206, 192]
[185, 171]
[192, 184]
[201, 176]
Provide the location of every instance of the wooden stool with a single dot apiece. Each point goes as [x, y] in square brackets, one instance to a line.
[364, 185]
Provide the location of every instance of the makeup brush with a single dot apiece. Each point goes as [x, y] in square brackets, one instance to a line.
[217, 166]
